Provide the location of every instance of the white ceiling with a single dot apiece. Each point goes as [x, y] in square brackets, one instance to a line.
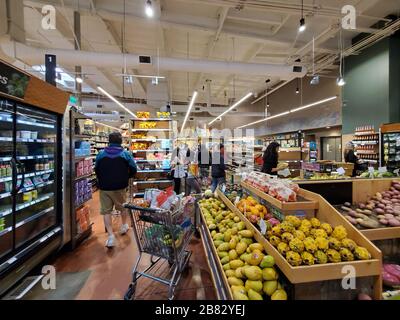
[225, 30]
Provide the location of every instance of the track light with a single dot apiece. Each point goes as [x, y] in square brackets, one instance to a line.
[116, 101]
[149, 9]
[302, 26]
[297, 90]
[340, 82]
[78, 80]
[232, 107]
[189, 109]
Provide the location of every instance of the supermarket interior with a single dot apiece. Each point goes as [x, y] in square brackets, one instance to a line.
[199, 150]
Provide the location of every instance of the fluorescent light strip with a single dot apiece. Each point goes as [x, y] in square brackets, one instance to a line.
[106, 125]
[232, 107]
[291, 111]
[116, 101]
[189, 109]
[313, 104]
[269, 118]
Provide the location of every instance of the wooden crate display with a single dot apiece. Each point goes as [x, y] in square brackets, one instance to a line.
[218, 262]
[365, 189]
[322, 272]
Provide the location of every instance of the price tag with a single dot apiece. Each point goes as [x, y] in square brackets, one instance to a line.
[285, 173]
[396, 172]
[340, 171]
[263, 226]
[223, 188]
[371, 170]
[237, 200]
[382, 169]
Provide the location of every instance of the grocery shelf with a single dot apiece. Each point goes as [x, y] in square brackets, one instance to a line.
[153, 119]
[5, 179]
[35, 124]
[6, 119]
[149, 150]
[152, 181]
[35, 140]
[5, 195]
[7, 139]
[7, 230]
[84, 176]
[136, 129]
[5, 212]
[5, 159]
[37, 173]
[34, 217]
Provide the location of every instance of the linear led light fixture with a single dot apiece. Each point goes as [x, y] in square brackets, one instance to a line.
[232, 107]
[139, 76]
[115, 100]
[290, 111]
[194, 96]
[108, 126]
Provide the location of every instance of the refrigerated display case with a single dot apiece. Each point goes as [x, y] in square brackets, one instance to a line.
[31, 190]
[30, 166]
[390, 144]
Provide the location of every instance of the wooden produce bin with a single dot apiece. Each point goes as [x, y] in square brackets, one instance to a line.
[305, 201]
[317, 275]
[363, 190]
[221, 285]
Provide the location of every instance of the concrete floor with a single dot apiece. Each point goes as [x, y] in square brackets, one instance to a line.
[111, 268]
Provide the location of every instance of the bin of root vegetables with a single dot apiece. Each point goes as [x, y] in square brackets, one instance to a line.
[381, 211]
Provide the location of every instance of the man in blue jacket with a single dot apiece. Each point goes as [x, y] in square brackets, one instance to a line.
[114, 167]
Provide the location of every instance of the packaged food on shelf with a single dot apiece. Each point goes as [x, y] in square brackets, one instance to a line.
[249, 271]
[143, 114]
[163, 114]
[147, 125]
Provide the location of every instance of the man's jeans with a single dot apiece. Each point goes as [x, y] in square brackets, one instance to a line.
[216, 182]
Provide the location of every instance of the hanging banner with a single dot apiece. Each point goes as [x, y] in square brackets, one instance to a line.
[12, 81]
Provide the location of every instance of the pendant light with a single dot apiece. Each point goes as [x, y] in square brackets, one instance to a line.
[149, 9]
[340, 81]
[302, 26]
[297, 88]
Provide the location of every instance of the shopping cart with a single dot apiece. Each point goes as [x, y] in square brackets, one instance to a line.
[164, 236]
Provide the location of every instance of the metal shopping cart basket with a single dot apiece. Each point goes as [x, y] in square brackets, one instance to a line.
[163, 235]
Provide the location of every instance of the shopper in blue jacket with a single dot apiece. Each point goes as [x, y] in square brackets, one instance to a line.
[114, 167]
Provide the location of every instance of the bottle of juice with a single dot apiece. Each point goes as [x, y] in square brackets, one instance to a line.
[9, 170]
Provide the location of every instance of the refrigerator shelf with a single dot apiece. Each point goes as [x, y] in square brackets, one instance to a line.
[84, 176]
[7, 139]
[34, 217]
[28, 204]
[7, 230]
[41, 185]
[5, 212]
[36, 124]
[5, 179]
[6, 118]
[34, 140]
[5, 159]
[44, 156]
[5, 195]
[37, 173]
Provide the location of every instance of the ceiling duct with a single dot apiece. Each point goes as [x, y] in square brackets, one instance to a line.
[71, 58]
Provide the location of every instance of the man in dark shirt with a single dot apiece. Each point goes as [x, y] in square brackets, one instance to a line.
[114, 167]
[218, 168]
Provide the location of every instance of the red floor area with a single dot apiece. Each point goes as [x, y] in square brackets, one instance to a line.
[111, 268]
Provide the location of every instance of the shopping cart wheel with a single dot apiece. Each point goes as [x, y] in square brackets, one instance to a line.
[130, 293]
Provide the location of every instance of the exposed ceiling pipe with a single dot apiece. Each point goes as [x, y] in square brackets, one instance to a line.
[68, 57]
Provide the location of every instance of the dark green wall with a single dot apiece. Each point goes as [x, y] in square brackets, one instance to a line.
[371, 95]
[366, 93]
[394, 91]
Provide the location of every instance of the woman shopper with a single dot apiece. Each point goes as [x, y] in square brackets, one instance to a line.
[178, 166]
[270, 159]
[350, 157]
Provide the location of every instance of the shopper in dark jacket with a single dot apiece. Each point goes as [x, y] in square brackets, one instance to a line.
[218, 168]
[270, 159]
[204, 160]
[350, 157]
[114, 166]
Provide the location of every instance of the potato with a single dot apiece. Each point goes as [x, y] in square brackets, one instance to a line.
[383, 221]
[381, 216]
[394, 222]
[347, 204]
[389, 216]
[379, 210]
[381, 206]
[361, 205]
[345, 208]
[352, 220]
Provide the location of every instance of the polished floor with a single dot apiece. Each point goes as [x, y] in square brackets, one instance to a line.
[110, 269]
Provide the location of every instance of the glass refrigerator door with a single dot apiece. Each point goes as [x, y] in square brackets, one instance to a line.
[6, 153]
[36, 148]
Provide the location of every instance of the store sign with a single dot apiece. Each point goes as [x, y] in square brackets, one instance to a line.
[12, 81]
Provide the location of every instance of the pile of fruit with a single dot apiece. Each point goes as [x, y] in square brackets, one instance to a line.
[232, 191]
[249, 272]
[308, 242]
[383, 210]
[283, 190]
[139, 145]
[143, 114]
[391, 275]
[138, 136]
[163, 114]
[147, 125]
[254, 211]
[377, 174]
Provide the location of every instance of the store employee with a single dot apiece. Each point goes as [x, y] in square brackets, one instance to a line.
[270, 159]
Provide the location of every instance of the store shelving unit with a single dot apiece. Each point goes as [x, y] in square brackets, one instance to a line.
[151, 145]
[82, 132]
[366, 142]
